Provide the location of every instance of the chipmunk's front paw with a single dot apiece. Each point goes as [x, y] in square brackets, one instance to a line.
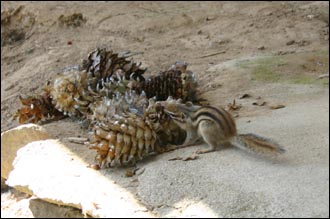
[203, 151]
[200, 151]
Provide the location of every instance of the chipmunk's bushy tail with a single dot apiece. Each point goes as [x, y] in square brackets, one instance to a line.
[257, 144]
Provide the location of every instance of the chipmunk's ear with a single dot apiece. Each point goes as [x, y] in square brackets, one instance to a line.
[189, 104]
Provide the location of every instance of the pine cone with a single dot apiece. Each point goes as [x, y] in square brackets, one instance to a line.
[70, 93]
[123, 140]
[126, 137]
[103, 63]
[37, 108]
[176, 82]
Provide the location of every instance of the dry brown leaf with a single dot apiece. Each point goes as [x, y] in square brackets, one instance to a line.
[233, 106]
[95, 205]
[139, 171]
[175, 158]
[129, 173]
[278, 106]
[192, 157]
[259, 103]
[244, 96]
[93, 166]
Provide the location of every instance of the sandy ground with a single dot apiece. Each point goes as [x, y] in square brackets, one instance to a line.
[232, 183]
[275, 50]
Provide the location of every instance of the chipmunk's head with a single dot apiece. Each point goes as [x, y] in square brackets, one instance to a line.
[180, 113]
[179, 118]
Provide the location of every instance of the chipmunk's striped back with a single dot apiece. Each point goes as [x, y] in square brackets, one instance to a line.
[220, 116]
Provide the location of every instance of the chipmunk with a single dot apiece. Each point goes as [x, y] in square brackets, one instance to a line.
[216, 126]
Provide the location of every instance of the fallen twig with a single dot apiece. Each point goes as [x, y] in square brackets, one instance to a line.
[323, 76]
[149, 9]
[78, 140]
[212, 54]
[129, 54]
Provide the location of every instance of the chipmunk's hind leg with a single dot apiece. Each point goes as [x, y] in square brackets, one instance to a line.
[210, 136]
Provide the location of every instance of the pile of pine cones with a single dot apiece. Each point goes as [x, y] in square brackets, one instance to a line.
[121, 106]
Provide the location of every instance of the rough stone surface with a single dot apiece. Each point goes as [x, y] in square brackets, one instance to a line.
[42, 209]
[50, 171]
[14, 139]
[22, 205]
[15, 204]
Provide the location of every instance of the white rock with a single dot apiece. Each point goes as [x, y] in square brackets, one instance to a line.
[14, 139]
[50, 171]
